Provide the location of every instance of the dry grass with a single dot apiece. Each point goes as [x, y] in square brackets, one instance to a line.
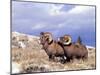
[34, 60]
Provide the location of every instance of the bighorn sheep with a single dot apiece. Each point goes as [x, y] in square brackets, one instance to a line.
[73, 50]
[51, 47]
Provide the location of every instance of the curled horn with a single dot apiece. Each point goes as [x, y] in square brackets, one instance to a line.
[49, 38]
[68, 40]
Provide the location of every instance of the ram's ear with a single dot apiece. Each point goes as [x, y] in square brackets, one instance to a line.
[42, 33]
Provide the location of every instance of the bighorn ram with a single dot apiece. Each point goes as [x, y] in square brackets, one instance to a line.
[73, 50]
[51, 47]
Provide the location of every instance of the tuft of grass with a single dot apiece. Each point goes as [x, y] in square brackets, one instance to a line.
[33, 60]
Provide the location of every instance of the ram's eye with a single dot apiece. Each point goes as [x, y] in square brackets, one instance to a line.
[45, 36]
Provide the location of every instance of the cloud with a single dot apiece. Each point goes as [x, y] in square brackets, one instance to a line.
[31, 17]
[38, 26]
[80, 9]
[59, 9]
[55, 10]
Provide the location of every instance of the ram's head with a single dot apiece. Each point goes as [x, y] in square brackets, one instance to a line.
[45, 37]
[65, 40]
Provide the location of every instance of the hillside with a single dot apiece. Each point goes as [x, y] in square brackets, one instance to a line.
[28, 56]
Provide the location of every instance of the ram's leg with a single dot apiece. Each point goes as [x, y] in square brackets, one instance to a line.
[51, 58]
[85, 58]
[68, 59]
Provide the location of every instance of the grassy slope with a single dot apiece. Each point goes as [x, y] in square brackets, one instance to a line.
[34, 60]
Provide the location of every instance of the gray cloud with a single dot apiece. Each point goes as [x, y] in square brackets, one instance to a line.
[32, 18]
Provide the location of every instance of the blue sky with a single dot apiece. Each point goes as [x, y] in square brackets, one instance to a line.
[33, 18]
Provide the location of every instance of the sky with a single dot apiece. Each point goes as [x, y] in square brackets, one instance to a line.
[59, 19]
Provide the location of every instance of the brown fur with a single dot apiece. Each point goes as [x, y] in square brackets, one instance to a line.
[52, 48]
[74, 50]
